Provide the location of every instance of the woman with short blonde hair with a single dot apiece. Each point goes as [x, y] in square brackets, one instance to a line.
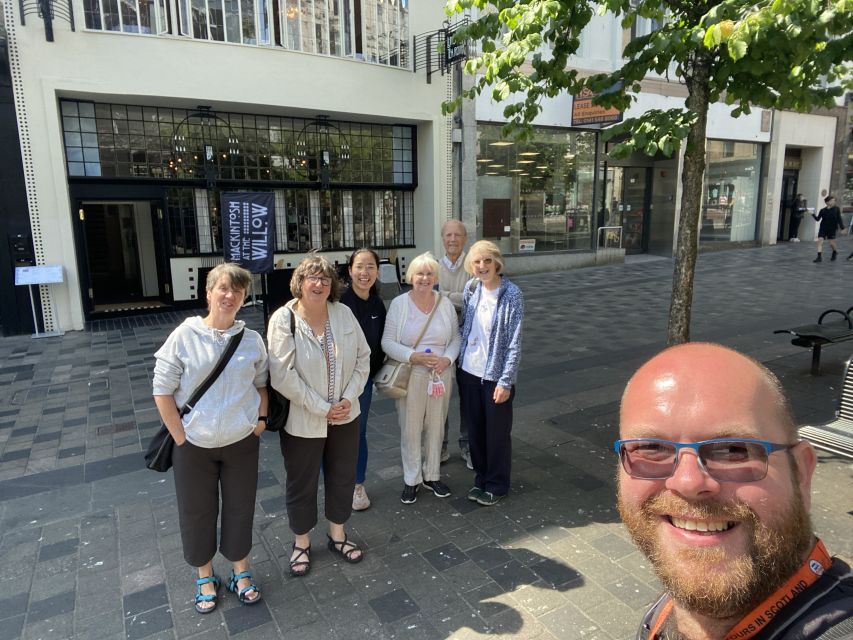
[422, 328]
[492, 313]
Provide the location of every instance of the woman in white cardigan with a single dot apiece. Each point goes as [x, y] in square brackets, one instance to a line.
[421, 413]
[321, 368]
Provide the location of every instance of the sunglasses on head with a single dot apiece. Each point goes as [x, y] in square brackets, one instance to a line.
[724, 459]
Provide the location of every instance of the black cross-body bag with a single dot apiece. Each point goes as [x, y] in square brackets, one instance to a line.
[158, 457]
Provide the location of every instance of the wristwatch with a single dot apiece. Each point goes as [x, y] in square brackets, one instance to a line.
[262, 418]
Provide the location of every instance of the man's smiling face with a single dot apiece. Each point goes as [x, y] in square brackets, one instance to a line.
[718, 547]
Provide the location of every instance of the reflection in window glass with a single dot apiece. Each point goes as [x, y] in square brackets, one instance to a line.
[129, 16]
[730, 195]
[540, 191]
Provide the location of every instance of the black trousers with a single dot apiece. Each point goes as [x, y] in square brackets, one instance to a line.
[489, 429]
[202, 476]
[303, 457]
[794, 227]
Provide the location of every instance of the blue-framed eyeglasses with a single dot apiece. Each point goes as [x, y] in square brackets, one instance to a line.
[724, 459]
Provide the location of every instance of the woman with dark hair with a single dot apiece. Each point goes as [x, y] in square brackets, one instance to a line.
[321, 367]
[216, 443]
[363, 299]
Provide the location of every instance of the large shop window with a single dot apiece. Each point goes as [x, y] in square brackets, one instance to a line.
[305, 220]
[730, 196]
[372, 30]
[115, 140]
[536, 195]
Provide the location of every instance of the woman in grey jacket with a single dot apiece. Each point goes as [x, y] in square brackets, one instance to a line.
[322, 368]
[217, 441]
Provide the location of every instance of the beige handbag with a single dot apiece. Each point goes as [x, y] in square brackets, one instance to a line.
[393, 378]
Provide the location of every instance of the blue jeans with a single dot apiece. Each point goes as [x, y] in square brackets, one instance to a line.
[364, 402]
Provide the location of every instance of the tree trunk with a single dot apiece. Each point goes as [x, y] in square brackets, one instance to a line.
[678, 330]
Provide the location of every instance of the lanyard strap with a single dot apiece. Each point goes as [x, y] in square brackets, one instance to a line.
[753, 622]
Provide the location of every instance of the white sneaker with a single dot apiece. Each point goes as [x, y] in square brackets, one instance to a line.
[445, 455]
[466, 456]
[360, 501]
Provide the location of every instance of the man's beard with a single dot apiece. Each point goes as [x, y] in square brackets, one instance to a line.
[775, 550]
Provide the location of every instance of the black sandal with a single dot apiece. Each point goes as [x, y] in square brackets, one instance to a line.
[345, 549]
[295, 563]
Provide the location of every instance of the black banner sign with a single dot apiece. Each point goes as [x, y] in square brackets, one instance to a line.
[248, 230]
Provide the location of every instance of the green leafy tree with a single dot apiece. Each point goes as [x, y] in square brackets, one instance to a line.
[784, 54]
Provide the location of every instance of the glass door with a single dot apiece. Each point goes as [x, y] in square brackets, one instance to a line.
[626, 198]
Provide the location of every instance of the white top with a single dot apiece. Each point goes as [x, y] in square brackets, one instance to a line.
[228, 412]
[399, 316]
[477, 349]
[435, 337]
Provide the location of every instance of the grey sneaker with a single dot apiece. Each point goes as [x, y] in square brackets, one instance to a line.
[489, 499]
[466, 456]
[410, 494]
[445, 455]
[438, 488]
[474, 494]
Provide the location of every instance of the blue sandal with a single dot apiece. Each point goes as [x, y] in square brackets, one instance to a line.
[241, 594]
[206, 597]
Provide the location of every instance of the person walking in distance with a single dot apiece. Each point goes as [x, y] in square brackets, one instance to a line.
[830, 222]
[798, 210]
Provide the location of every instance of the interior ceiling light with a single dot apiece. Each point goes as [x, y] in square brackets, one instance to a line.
[484, 160]
[529, 153]
[541, 166]
[492, 173]
[515, 170]
[526, 162]
[501, 143]
[495, 166]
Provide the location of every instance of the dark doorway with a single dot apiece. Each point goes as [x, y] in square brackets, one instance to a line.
[122, 253]
[628, 198]
[790, 177]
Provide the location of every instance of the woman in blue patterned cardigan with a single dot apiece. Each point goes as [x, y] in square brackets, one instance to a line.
[492, 311]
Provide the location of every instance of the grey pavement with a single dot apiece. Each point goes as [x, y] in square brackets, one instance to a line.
[90, 545]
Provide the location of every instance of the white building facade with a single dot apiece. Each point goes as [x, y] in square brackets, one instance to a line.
[134, 123]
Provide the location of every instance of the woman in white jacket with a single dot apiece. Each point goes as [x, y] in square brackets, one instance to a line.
[217, 441]
[321, 368]
[423, 312]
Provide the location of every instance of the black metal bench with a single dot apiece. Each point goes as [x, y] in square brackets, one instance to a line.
[836, 436]
[815, 336]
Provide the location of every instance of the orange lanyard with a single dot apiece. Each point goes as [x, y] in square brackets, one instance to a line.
[753, 622]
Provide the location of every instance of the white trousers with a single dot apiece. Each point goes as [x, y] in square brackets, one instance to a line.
[422, 425]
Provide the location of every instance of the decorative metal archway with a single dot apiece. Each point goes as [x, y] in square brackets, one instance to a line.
[320, 151]
[201, 139]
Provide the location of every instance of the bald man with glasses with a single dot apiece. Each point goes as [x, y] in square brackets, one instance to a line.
[714, 488]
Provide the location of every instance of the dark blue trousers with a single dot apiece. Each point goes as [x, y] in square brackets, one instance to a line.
[489, 429]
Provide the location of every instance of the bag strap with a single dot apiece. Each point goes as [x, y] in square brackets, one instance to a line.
[431, 314]
[213, 375]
